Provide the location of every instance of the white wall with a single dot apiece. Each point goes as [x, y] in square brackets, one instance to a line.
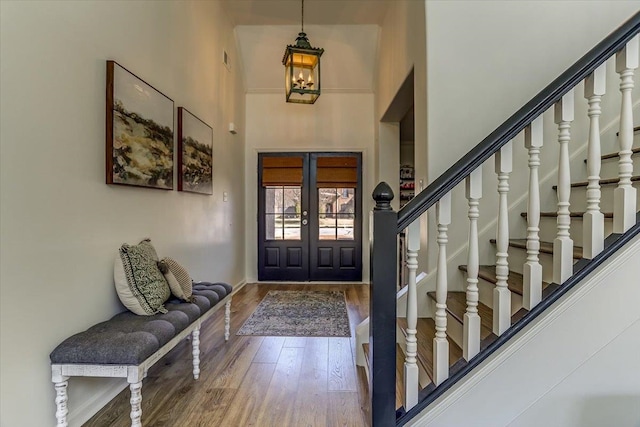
[336, 122]
[61, 225]
[575, 366]
[486, 59]
[604, 390]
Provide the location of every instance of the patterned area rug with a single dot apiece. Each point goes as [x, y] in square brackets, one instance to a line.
[299, 314]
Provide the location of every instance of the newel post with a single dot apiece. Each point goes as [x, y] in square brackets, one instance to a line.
[382, 308]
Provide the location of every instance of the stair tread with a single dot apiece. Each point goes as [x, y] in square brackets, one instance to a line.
[426, 328]
[608, 181]
[488, 273]
[515, 279]
[545, 247]
[607, 215]
[457, 306]
[399, 372]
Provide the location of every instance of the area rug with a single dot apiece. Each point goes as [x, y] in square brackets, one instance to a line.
[299, 314]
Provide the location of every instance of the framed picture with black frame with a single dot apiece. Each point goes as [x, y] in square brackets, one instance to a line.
[139, 131]
[195, 154]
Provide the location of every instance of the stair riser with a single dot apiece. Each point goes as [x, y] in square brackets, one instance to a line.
[423, 377]
[609, 167]
[454, 330]
[400, 338]
[548, 229]
[486, 288]
[517, 258]
[579, 197]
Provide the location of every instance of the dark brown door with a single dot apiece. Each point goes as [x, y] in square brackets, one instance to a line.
[309, 217]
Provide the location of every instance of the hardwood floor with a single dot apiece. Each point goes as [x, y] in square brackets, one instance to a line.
[255, 381]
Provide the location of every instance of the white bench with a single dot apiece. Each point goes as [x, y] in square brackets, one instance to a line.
[127, 345]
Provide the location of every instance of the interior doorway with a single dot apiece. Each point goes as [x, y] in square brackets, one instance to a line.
[400, 149]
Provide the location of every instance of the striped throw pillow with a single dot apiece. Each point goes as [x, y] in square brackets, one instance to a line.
[179, 280]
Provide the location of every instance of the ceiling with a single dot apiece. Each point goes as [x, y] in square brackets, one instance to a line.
[316, 12]
[348, 62]
[348, 30]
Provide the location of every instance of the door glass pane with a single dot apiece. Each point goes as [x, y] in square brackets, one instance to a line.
[292, 227]
[345, 200]
[336, 213]
[327, 213]
[273, 197]
[282, 213]
[291, 201]
[273, 226]
[327, 227]
[345, 226]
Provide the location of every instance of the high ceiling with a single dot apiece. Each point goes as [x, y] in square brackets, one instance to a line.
[348, 30]
[318, 12]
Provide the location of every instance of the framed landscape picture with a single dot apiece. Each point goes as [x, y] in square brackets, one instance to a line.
[139, 128]
[195, 154]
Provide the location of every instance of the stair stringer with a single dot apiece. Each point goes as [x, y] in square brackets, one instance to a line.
[548, 351]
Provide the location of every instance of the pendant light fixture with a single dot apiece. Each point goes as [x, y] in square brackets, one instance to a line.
[302, 69]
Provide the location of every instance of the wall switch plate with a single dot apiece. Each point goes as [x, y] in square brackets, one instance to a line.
[225, 196]
[226, 60]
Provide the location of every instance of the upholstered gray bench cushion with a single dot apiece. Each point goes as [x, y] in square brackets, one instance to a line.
[129, 339]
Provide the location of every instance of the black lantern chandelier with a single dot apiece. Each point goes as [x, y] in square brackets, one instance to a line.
[302, 69]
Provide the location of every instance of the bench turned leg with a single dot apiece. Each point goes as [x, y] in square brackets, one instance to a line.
[227, 319]
[196, 352]
[61, 401]
[136, 404]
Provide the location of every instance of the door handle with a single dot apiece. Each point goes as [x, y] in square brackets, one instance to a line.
[304, 222]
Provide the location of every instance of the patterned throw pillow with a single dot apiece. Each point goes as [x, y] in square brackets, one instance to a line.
[139, 283]
[179, 280]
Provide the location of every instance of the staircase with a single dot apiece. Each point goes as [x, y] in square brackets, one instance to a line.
[470, 314]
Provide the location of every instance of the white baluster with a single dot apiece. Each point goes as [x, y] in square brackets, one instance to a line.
[593, 220]
[501, 293]
[532, 270]
[440, 342]
[624, 197]
[136, 404]
[563, 245]
[61, 401]
[410, 364]
[227, 319]
[195, 342]
[471, 328]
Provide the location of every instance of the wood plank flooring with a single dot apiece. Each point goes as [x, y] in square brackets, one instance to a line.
[255, 381]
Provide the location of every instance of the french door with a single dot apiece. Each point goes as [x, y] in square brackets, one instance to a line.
[309, 217]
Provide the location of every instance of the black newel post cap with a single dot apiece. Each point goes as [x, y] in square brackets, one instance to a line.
[383, 195]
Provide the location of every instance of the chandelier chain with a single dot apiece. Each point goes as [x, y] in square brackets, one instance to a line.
[303, 16]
